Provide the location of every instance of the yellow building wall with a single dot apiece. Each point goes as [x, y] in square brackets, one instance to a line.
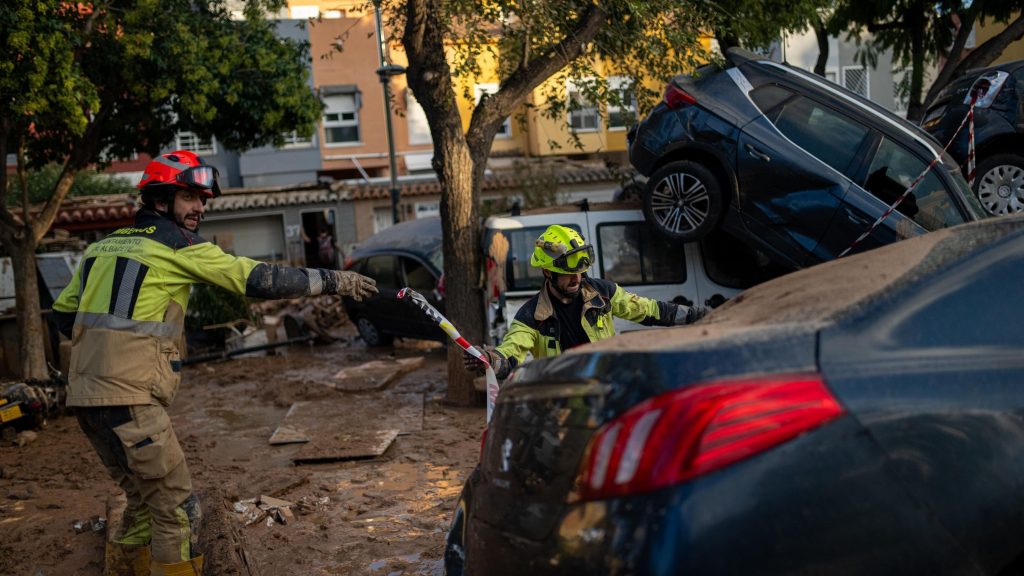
[986, 30]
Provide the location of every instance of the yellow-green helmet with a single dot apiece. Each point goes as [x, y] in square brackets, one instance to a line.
[561, 249]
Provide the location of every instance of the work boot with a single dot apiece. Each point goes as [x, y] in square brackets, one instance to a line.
[193, 567]
[126, 560]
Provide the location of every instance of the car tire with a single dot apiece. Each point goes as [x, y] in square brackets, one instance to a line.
[683, 201]
[371, 334]
[1000, 184]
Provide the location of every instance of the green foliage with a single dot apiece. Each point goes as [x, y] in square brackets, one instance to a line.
[87, 183]
[214, 305]
[119, 77]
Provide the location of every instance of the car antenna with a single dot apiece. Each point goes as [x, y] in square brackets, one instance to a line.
[584, 205]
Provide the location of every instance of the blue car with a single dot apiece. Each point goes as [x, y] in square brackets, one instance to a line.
[789, 163]
[864, 416]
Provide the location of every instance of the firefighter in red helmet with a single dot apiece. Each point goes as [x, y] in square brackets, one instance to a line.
[124, 312]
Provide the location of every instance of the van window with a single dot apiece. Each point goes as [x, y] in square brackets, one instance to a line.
[382, 269]
[733, 264]
[630, 254]
[519, 275]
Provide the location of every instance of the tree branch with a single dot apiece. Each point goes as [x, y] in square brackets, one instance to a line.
[992, 48]
[953, 58]
[492, 111]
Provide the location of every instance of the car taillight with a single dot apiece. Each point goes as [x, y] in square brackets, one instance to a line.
[676, 97]
[686, 433]
[440, 285]
[347, 264]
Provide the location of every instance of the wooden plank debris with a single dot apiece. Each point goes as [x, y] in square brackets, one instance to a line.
[306, 419]
[374, 375]
[355, 445]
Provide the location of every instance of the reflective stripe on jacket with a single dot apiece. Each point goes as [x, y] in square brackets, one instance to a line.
[535, 328]
[127, 303]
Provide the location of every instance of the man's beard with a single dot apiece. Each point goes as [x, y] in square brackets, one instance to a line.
[564, 293]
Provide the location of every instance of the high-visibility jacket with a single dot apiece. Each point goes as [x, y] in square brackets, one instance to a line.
[125, 307]
[535, 328]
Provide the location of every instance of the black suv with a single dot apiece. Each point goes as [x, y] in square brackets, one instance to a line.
[998, 132]
[789, 163]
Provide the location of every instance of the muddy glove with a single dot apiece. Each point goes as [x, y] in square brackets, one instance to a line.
[356, 285]
[473, 365]
[690, 314]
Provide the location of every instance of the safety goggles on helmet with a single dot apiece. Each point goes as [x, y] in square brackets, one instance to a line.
[576, 260]
[201, 177]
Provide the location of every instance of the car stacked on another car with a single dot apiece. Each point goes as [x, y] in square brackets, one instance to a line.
[862, 416]
[788, 162]
[998, 132]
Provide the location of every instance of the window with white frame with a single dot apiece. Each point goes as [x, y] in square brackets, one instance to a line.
[341, 120]
[304, 12]
[855, 79]
[382, 219]
[583, 114]
[622, 115]
[832, 76]
[491, 88]
[416, 118]
[190, 141]
[293, 140]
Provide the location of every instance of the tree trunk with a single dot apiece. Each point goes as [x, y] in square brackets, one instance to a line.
[992, 48]
[949, 68]
[822, 35]
[915, 110]
[30, 323]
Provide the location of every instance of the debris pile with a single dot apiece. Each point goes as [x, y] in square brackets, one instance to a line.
[321, 315]
[277, 511]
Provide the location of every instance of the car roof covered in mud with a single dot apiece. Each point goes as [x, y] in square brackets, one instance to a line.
[421, 237]
[815, 297]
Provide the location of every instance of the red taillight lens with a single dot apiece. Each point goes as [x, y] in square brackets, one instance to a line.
[686, 433]
[676, 97]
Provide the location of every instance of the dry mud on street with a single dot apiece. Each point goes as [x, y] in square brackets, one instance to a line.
[384, 516]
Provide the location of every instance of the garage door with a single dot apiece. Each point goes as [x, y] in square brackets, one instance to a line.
[258, 237]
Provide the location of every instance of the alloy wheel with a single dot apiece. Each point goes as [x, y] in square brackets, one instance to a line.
[680, 202]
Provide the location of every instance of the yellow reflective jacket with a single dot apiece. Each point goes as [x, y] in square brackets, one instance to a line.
[535, 328]
[125, 307]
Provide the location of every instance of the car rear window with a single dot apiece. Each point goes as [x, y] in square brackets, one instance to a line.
[821, 132]
[630, 255]
[893, 169]
[383, 269]
[769, 96]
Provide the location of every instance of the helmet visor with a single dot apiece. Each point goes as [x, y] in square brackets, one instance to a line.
[201, 177]
[576, 260]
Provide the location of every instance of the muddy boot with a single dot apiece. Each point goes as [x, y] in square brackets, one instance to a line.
[193, 567]
[126, 560]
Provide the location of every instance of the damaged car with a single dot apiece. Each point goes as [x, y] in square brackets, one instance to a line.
[858, 417]
[790, 163]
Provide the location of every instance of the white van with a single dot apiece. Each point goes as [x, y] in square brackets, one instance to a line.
[627, 252]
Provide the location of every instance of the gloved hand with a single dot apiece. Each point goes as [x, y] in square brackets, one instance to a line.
[474, 365]
[355, 285]
[690, 314]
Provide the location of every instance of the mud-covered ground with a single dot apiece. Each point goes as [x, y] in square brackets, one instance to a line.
[382, 516]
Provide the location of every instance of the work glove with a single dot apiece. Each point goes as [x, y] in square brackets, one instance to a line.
[690, 314]
[356, 285]
[474, 365]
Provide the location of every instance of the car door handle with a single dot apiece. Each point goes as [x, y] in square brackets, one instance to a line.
[754, 152]
[682, 300]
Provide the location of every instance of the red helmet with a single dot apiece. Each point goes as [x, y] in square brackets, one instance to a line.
[180, 169]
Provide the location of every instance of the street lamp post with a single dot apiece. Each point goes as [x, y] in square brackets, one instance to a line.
[385, 72]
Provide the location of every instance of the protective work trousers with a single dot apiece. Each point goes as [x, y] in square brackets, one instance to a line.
[142, 454]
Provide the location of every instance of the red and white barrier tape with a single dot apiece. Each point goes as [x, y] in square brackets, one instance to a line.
[492, 381]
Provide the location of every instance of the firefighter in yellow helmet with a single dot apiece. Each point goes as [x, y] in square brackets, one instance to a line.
[572, 309]
[124, 312]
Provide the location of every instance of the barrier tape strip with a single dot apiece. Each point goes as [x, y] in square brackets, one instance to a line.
[970, 146]
[416, 298]
[891, 209]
